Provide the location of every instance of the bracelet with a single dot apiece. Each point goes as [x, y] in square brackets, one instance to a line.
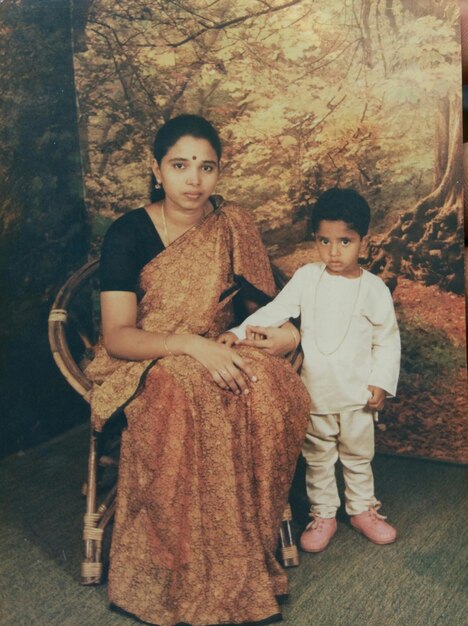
[295, 337]
[169, 352]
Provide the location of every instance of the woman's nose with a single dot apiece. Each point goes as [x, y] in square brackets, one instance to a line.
[193, 177]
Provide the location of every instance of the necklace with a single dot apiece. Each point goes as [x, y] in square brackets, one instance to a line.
[340, 343]
[166, 232]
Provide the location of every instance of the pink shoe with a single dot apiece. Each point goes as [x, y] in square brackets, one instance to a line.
[317, 534]
[373, 526]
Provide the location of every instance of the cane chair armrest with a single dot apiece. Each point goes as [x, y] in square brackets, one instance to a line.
[59, 319]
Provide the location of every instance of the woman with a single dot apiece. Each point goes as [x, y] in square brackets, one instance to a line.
[213, 432]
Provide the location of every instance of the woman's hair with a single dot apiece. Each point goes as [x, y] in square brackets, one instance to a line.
[345, 205]
[170, 133]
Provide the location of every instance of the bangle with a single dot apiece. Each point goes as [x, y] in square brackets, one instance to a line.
[169, 352]
[295, 337]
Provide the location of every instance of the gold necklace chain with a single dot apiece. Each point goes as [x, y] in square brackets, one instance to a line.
[166, 232]
[340, 343]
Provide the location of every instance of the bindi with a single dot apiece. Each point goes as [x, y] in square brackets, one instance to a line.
[194, 158]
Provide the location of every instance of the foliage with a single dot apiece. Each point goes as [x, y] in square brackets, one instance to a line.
[429, 359]
[305, 94]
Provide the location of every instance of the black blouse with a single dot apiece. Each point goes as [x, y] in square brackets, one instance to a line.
[130, 243]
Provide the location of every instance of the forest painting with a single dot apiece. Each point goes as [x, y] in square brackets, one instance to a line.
[306, 95]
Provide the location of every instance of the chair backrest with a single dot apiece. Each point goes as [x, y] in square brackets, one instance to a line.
[74, 322]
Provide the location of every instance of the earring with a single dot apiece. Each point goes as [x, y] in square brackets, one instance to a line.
[157, 185]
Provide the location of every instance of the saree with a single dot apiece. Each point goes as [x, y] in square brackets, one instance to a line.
[203, 474]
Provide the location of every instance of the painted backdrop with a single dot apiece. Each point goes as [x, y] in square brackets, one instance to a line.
[306, 95]
[43, 222]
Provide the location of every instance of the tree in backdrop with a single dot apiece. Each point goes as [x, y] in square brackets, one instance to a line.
[305, 95]
[43, 223]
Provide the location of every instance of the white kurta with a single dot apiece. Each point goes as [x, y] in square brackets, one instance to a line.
[349, 335]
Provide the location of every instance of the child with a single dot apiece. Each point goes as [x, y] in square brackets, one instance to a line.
[351, 348]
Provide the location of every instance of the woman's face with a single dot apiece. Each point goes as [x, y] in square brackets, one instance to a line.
[188, 172]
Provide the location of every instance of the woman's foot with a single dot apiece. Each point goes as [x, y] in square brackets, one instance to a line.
[317, 534]
[373, 526]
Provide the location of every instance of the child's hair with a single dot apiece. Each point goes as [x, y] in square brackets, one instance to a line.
[346, 205]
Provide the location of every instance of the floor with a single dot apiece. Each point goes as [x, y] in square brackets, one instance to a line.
[419, 580]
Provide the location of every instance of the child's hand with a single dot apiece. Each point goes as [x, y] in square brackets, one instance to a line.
[376, 403]
[227, 338]
[275, 341]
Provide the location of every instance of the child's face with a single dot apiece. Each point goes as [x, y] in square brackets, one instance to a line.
[339, 248]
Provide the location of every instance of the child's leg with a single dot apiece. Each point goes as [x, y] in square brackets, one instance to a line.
[321, 454]
[356, 451]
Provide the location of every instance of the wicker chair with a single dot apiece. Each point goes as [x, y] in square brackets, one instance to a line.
[74, 322]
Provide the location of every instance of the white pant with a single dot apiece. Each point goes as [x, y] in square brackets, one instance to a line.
[349, 436]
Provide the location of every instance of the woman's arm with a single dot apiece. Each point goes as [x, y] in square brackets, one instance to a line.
[123, 340]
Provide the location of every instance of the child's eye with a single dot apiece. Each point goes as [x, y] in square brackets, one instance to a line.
[324, 242]
[345, 242]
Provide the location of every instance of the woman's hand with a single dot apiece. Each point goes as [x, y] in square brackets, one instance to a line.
[228, 369]
[227, 338]
[275, 341]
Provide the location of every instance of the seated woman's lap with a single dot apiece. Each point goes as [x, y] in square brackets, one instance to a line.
[203, 479]
[193, 441]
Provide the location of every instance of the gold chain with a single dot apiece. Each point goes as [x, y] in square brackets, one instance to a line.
[166, 233]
